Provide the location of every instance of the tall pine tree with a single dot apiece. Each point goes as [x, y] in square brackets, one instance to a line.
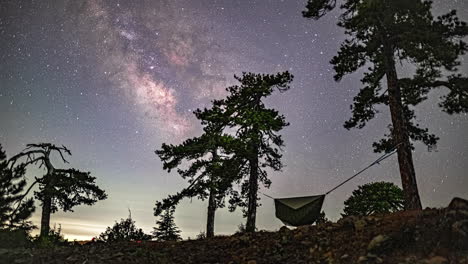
[58, 188]
[14, 208]
[384, 34]
[210, 173]
[256, 128]
[166, 229]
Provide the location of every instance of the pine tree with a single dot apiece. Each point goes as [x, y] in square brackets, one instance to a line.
[210, 173]
[166, 229]
[14, 208]
[256, 129]
[58, 188]
[384, 34]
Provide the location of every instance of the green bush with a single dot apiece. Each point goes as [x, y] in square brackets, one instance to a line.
[374, 198]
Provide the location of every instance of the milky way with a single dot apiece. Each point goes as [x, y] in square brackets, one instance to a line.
[113, 80]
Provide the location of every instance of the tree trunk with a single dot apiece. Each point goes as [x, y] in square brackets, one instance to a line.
[47, 202]
[253, 188]
[400, 136]
[211, 214]
[45, 218]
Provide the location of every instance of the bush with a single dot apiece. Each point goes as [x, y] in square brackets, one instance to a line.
[53, 239]
[14, 238]
[374, 198]
[240, 229]
[125, 230]
[322, 219]
[201, 236]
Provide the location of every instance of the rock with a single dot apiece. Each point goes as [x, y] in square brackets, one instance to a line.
[299, 236]
[437, 260]
[360, 224]
[92, 250]
[328, 257]
[460, 234]
[345, 256]
[347, 221]
[306, 243]
[115, 256]
[458, 204]
[362, 259]
[283, 229]
[22, 260]
[458, 214]
[374, 258]
[312, 250]
[72, 258]
[460, 228]
[252, 262]
[377, 243]
[303, 229]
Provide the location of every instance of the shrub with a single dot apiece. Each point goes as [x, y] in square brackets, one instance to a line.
[53, 239]
[125, 230]
[374, 198]
[14, 238]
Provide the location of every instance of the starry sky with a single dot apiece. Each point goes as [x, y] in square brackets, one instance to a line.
[112, 80]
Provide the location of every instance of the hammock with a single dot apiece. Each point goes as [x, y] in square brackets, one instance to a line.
[298, 211]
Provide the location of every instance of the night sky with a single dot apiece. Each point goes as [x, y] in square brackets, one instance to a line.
[113, 80]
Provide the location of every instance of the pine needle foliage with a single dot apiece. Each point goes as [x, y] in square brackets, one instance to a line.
[388, 37]
[15, 209]
[166, 229]
[58, 188]
[257, 128]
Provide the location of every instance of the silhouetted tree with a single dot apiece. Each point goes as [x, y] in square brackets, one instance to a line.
[256, 129]
[381, 34]
[374, 198]
[58, 188]
[166, 229]
[125, 230]
[14, 209]
[210, 173]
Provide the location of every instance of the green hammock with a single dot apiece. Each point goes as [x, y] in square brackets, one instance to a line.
[297, 211]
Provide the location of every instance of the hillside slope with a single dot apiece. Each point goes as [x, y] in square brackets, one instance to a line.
[431, 236]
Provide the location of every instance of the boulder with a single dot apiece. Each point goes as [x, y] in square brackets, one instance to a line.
[458, 204]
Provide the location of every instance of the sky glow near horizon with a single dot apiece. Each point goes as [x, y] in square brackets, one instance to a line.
[113, 80]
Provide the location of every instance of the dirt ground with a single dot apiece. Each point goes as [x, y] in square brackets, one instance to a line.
[431, 236]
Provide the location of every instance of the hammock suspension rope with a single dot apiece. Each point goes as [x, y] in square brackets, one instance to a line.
[297, 211]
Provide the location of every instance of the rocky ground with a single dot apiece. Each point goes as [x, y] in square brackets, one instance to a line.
[431, 236]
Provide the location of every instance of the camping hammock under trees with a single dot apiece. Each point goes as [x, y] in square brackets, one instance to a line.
[305, 210]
